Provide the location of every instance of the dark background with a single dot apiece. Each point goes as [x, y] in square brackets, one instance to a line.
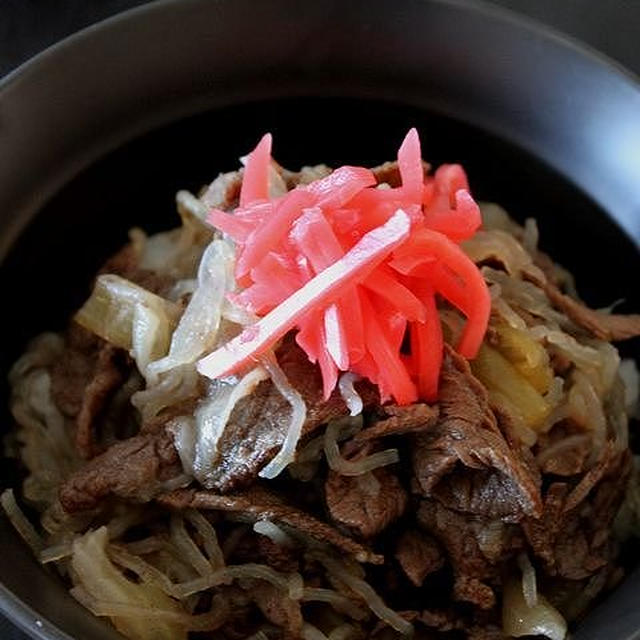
[29, 26]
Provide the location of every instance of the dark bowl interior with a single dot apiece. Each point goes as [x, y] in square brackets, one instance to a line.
[542, 139]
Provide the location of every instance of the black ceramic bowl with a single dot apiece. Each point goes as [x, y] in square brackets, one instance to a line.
[97, 134]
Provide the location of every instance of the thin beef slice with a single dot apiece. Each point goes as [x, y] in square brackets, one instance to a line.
[464, 460]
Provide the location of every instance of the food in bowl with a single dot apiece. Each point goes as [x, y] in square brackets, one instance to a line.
[332, 404]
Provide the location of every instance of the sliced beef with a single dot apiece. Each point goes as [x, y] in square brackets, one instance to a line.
[71, 372]
[465, 461]
[258, 424]
[573, 538]
[84, 380]
[278, 609]
[134, 469]
[606, 326]
[471, 569]
[365, 504]
[257, 503]
[419, 555]
[401, 420]
[109, 372]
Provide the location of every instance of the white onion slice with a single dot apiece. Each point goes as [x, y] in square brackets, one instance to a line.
[349, 394]
[356, 467]
[287, 453]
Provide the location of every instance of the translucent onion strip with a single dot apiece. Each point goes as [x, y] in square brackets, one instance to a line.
[338, 601]
[519, 620]
[287, 453]
[529, 585]
[200, 622]
[109, 311]
[367, 593]
[357, 467]
[198, 326]
[20, 521]
[349, 394]
[212, 416]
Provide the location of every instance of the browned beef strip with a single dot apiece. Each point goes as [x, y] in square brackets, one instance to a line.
[365, 504]
[134, 469]
[606, 326]
[71, 372]
[258, 424]
[464, 460]
[258, 503]
[401, 420]
[109, 372]
[573, 539]
[278, 609]
[419, 555]
[471, 568]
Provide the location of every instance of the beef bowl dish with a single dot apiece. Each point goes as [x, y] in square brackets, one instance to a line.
[294, 362]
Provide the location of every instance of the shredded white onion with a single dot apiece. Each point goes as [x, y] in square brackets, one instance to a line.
[188, 547]
[273, 532]
[173, 387]
[558, 448]
[200, 622]
[367, 593]
[519, 620]
[209, 537]
[340, 602]
[529, 585]
[348, 392]
[287, 453]
[357, 467]
[197, 329]
[20, 521]
[55, 552]
[344, 632]
[211, 418]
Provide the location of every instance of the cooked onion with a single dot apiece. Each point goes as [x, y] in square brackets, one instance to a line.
[502, 246]
[367, 593]
[340, 602]
[353, 467]
[344, 632]
[110, 311]
[95, 575]
[175, 386]
[200, 622]
[287, 453]
[55, 552]
[518, 619]
[557, 449]
[350, 396]
[273, 532]
[211, 419]
[529, 586]
[20, 521]
[188, 547]
[197, 329]
[208, 535]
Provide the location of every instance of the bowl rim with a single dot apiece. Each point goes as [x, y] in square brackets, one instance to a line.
[11, 606]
